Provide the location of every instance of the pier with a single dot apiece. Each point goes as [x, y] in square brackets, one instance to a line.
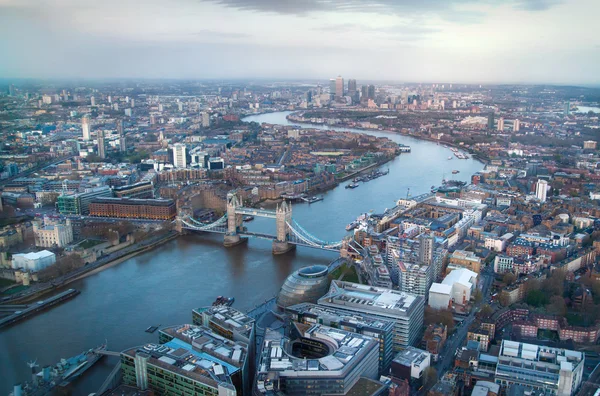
[22, 313]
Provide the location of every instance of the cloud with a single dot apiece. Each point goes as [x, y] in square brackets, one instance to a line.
[213, 34]
[536, 5]
[395, 32]
[398, 7]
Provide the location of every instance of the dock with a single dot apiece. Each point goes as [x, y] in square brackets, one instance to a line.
[34, 308]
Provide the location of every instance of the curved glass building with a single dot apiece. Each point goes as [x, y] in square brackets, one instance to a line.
[308, 284]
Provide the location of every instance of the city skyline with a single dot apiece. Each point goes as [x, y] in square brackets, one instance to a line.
[533, 41]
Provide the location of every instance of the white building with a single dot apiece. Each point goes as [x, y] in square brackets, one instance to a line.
[439, 296]
[555, 371]
[463, 283]
[179, 155]
[85, 128]
[541, 188]
[498, 244]
[53, 235]
[33, 261]
[503, 264]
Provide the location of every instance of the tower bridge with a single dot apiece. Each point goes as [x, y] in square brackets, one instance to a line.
[288, 232]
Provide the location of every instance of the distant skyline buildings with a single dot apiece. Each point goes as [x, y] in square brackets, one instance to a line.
[339, 87]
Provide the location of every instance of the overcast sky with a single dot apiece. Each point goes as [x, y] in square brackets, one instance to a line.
[554, 41]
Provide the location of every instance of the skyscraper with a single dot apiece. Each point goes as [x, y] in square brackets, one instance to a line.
[339, 87]
[92, 101]
[567, 108]
[364, 92]
[491, 120]
[425, 249]
[121, 132]
[101, 147]
[179, 158]
[371, 92]
[85, 127]
[332, 88]
[500, 124]
[351, 86]
[516, 126]
[541, 188]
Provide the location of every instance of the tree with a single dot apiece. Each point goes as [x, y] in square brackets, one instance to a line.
[430, 377]
[557, 306]
[536, 298]
[504, 299]
[509, 278]
[443, 316]
[486, 311]
[477, 296]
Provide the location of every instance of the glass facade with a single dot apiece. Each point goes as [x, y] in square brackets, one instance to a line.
[308, 284]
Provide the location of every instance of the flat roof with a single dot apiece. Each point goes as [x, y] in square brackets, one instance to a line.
[35, 255]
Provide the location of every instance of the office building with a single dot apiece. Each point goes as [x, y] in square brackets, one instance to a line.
[403, 308]
[339, 87]
[205, 119]
[371, 92]
[315, 360]
[500, 124]
[410, 364]
[541, 189]
[567, 109]
[332, 87]
[216, 163]
[189, 360]
[79, 203]
[307, 284]
[490, 124]
[351, 86]
[379, 328]
[364, 93]
[92, 101]
[555, 371]
[179, 155]
[34, 261]
[142, 190]
[227, 322]
[101, 145]
[516, 125]
[85, 127]
[131, 208]
[53, 235]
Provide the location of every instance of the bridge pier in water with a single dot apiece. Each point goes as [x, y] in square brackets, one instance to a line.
[283, 217]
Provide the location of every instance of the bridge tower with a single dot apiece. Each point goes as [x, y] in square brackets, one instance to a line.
[234, 222]
[283, 215]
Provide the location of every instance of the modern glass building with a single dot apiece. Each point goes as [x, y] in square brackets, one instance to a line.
[308, 284]
[79, 203]
[406, 310]
[316, 360]
[380, 329]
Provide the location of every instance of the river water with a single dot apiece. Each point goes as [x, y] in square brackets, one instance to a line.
[163, 286]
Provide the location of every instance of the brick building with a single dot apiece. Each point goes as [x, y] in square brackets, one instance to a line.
[151, 209]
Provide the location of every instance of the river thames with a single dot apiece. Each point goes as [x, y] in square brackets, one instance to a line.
[161, 287]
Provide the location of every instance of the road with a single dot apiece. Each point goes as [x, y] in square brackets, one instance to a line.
[457, 339]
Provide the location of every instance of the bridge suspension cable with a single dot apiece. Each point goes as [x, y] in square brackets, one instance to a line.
[196, 225]
[306, 237]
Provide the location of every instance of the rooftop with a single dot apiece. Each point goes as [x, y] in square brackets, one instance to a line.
[35, 255]
[229, 318]
[328, 314]
[411, 356]
[370, 298]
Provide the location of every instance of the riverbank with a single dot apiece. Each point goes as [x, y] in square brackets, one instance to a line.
[418, 137]
[92, 269]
